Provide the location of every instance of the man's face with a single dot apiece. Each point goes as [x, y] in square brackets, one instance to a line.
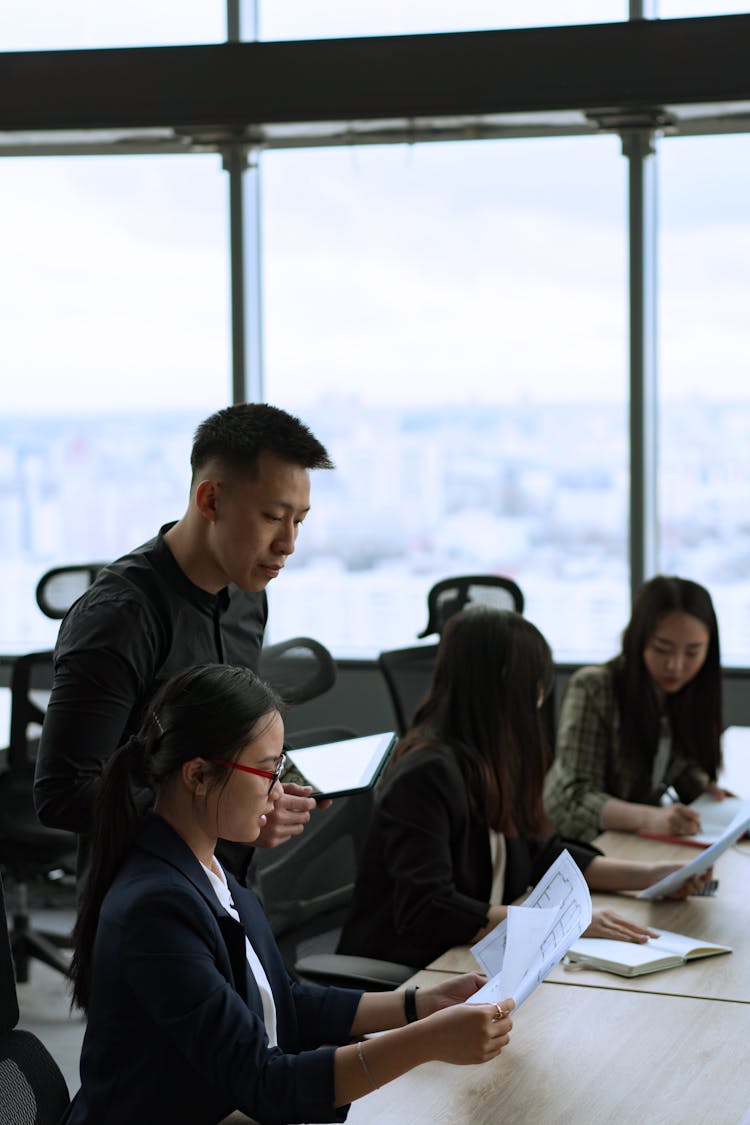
[256, 522]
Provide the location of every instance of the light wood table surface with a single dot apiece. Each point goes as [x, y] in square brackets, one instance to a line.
[587, 1056]
[592, 1048]
[724, 919]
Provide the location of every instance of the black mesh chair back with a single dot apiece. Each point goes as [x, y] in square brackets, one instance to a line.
[451, 595]
[59, 587]
[408, 671]
[32, 1088]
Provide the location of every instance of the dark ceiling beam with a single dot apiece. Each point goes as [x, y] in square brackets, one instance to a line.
[641, 63]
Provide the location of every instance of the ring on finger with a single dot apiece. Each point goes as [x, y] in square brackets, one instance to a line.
[501, 1014]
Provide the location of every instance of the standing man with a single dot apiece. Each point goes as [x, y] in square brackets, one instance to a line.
[195, 594]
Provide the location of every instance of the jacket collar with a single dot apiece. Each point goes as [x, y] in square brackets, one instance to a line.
[155, 836]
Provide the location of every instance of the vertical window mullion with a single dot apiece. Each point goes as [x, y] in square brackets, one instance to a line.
[244, 239]
[639, 150]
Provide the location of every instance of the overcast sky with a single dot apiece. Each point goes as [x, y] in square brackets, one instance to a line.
[484, 269]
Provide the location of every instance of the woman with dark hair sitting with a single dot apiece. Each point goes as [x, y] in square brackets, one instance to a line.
[648, 721]
[191, 1014]
[459, 829]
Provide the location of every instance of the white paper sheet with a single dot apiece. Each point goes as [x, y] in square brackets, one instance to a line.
[519, 952]
[702, 862]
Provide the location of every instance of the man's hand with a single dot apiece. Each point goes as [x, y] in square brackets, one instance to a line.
[289, 817]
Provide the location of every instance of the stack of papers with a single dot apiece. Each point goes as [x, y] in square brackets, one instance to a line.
[519, 952]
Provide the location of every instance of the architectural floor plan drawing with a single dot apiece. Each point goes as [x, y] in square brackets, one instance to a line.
[519, 952]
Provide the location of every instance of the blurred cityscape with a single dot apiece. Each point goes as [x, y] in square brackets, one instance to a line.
[532, 490]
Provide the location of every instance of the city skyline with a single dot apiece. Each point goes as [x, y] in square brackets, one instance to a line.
[417, 496]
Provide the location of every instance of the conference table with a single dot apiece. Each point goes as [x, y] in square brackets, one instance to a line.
[587, 1057]
[593, 1048]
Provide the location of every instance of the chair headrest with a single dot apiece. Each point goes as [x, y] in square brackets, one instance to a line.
[451, 595]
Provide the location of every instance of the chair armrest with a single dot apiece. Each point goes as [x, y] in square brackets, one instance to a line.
[353, 972]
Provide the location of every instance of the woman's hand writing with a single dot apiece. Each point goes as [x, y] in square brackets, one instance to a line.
[672, 820]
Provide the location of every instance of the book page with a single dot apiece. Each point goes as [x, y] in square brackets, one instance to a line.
[631, 955]
[562, 899]
[682, 944]
[624, 953]
[701, 862]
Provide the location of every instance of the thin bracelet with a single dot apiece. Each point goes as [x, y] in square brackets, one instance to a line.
[410, 1005]
[363, 1064]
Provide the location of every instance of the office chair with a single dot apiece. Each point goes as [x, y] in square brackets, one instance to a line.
[408, 671]
[59, 587]
[298, 669]
[306, 888]
[307, 885]
[32, 1087]
[28, 850]
[451, 595]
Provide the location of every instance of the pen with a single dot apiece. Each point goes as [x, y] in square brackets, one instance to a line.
[670, 793]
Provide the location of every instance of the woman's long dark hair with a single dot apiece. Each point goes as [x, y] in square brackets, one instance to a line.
[212, 710]
[483, 706]
[694, 712]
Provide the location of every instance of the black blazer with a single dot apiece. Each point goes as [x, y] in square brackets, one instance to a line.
[426, 872]
[175, 1027]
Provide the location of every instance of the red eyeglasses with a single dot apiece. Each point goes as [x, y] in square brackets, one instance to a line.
[272, 775]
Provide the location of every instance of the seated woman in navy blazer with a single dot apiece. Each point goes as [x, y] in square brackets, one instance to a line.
[191, 1014]
[459, 830]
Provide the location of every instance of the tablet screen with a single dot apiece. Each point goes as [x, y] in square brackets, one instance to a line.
[335, 769]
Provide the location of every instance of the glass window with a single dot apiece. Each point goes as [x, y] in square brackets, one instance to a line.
[704, 453]
[678, 9]
[450, 318]
[48, 25]
[114, 327]
[298, 19]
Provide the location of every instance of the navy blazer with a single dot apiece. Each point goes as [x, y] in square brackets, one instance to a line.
[175, 1025]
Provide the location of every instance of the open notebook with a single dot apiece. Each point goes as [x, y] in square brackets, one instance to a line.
[629, 960]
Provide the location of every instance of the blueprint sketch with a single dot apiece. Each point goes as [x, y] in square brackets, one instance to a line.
[519, 952]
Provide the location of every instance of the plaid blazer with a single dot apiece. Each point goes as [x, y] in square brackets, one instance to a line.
[590, 765]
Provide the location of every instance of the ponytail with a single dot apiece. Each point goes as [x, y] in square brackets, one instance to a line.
[115, 819]
[214, 706]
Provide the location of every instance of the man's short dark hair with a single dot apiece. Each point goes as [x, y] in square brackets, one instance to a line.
[237, 434]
